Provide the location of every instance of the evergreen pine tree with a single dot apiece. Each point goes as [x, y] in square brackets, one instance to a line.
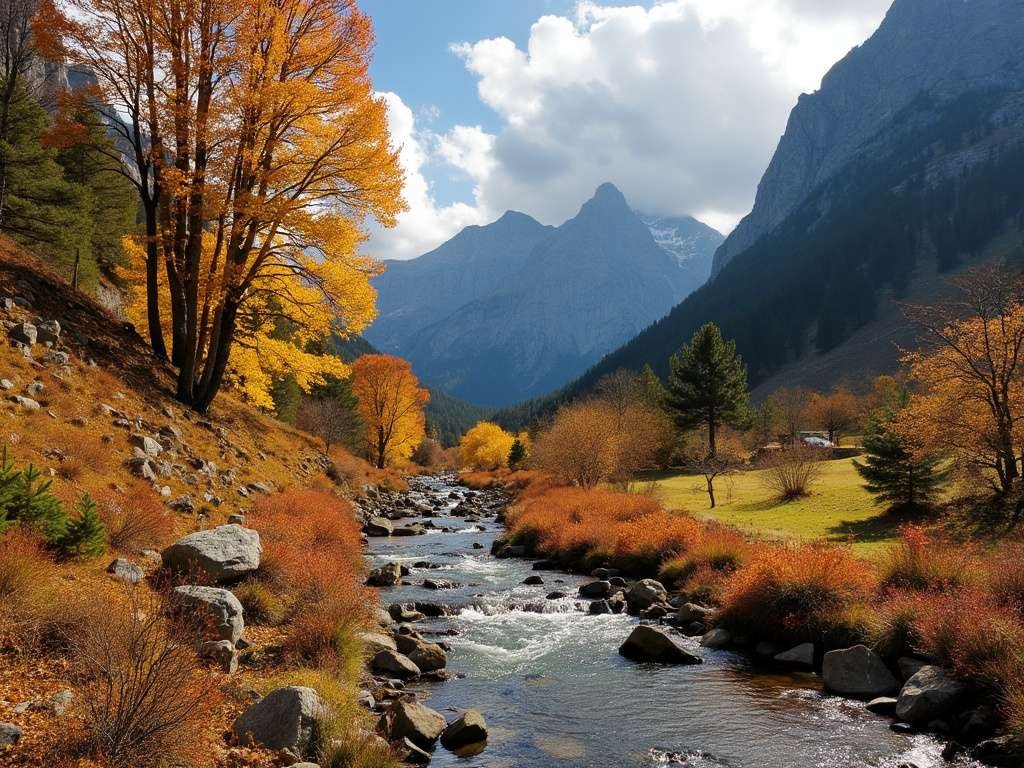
[35, 505]
[38, 206]
[10, 477]
[287, 396]
[85, 536]
[890, 470]
[707, 384]
[516, 453]
[652, 390]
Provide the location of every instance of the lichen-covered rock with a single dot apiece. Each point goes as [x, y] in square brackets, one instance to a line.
[223, 554]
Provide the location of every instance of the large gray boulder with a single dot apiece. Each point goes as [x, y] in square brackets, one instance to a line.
[286, 718]
[645, 593]
[716, 639]
[223, 554]
[429, 657]
[393, 663]
[10, 734]
[218, 609]
[421, 725]
[928, 695]
[857, 671]
[377, 641]
[646, 643]
[470, 728]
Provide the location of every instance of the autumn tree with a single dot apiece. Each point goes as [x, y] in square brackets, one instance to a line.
[969, 376]
[391, 403]
[329, 419]
[582, 446]
[260, 149]
[791, 403]
[835, 413]
[707, 385]
[486, 446]
[697, 457]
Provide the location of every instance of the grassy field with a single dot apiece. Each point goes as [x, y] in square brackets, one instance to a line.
[838, 509]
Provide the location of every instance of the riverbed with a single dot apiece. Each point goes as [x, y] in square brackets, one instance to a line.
[555, 692]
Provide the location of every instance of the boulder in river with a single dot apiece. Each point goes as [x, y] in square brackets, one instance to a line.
[929, 695]
[596, 590]
[533, 580]
[285, 718]
[646, 643]
[798, 656]
[222, 554]
[857, 671]
[377, 641]
[429, 657]
[409, 530]
[387, 575]
[716, 638]
[394, 663]
[378, 526]
[645, 593]
[470, 728]
[416, 722]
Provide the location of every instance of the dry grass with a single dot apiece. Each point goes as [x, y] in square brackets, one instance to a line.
[28, 585]
[921, 562]
[135, 519]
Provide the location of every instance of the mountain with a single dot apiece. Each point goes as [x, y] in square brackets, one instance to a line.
[873, 198]
[514, 309]
[943, 48]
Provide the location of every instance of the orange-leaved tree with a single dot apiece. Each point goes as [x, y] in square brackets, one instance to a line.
[391, 402]
[254, 127]
[970, 377]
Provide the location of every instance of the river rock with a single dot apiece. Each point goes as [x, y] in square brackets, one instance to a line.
[690, 612]
[404, 614]
[378, 526]
[799, 656]
[596, 590]
[285, 718]
[219, 609]
[387, 575]
[376, 641]
[716, 638]
[394, 663]
[645, 593]
[929, 695]
[416, 722]
[599, 607]
[882, 705]
[470, 728]
[409, 530]
[646, 643]
[223, 554]
[857, 671]
[533, 580]
[429, 657]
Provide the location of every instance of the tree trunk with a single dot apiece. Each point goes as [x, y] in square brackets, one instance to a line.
[711, 491]
[156, 331]
[220, 350]
[712, 428]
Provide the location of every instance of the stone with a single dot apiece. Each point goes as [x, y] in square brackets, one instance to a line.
[6, 384]
[387, 575]
[429, 657]
[24, 333]
[48, 332]
[555, 595]
[25, 403]
[377, 641]
[646, 643]
[909, 666]
[10, 734]
[645, 593]
[394, 663]
[146, 444]
[141, 467]
[404, 614]
[58, 357]
[716, 639]
[928, 695]
[378, 526]
[409, 530]
[1001, 751]
[689, 612]
[224, 554]
[183, 503]
[126, 570]
[599, 607]
[857, 671]
[286, 718]
[220, 608]
[468, 729]
[596, 590]
[603, 574]
[416, 722]
[882, 705]
[236, 519]
[799, 656]
[533, 581]
[222, 652]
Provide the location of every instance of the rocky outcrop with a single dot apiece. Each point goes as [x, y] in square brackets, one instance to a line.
[223, 554]
[646, 643]
[286, 718]
[938, 48]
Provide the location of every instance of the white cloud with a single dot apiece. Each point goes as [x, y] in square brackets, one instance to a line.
[680, 105]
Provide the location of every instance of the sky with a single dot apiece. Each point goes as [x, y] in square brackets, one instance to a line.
[529, 105]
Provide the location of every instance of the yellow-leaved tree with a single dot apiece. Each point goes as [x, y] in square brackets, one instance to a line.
[390, 402]
[486, 446]
[259, 150]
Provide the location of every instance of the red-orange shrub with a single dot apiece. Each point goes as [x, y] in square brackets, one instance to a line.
[701, 571]
[921, 562]
[135, 519]
[27, 581]
[796, 594]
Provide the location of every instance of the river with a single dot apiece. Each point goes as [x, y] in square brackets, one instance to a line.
[555, 692]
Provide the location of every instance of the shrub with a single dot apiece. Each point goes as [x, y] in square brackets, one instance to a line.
[1005, 576]
[791, 595]
[716, 553]
[325, 633]
[893, 628]
[146, 698]
[922, 563]
[259, 602]
[27, 582]
[790, 473]
[136, 519]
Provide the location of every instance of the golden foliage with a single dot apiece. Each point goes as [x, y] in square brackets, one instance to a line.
[391, 404]
[485, 446]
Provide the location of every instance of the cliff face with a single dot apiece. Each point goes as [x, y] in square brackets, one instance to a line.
[936, 48]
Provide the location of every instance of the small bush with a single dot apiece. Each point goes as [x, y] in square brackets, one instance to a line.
[146, 698]
[790, 473]
[1005, 576]
[893, 628]
[919, 562]
[716, 550]
[259, 602]
[325, 634]
[136, 519]
[28, 579]
[813, 593]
